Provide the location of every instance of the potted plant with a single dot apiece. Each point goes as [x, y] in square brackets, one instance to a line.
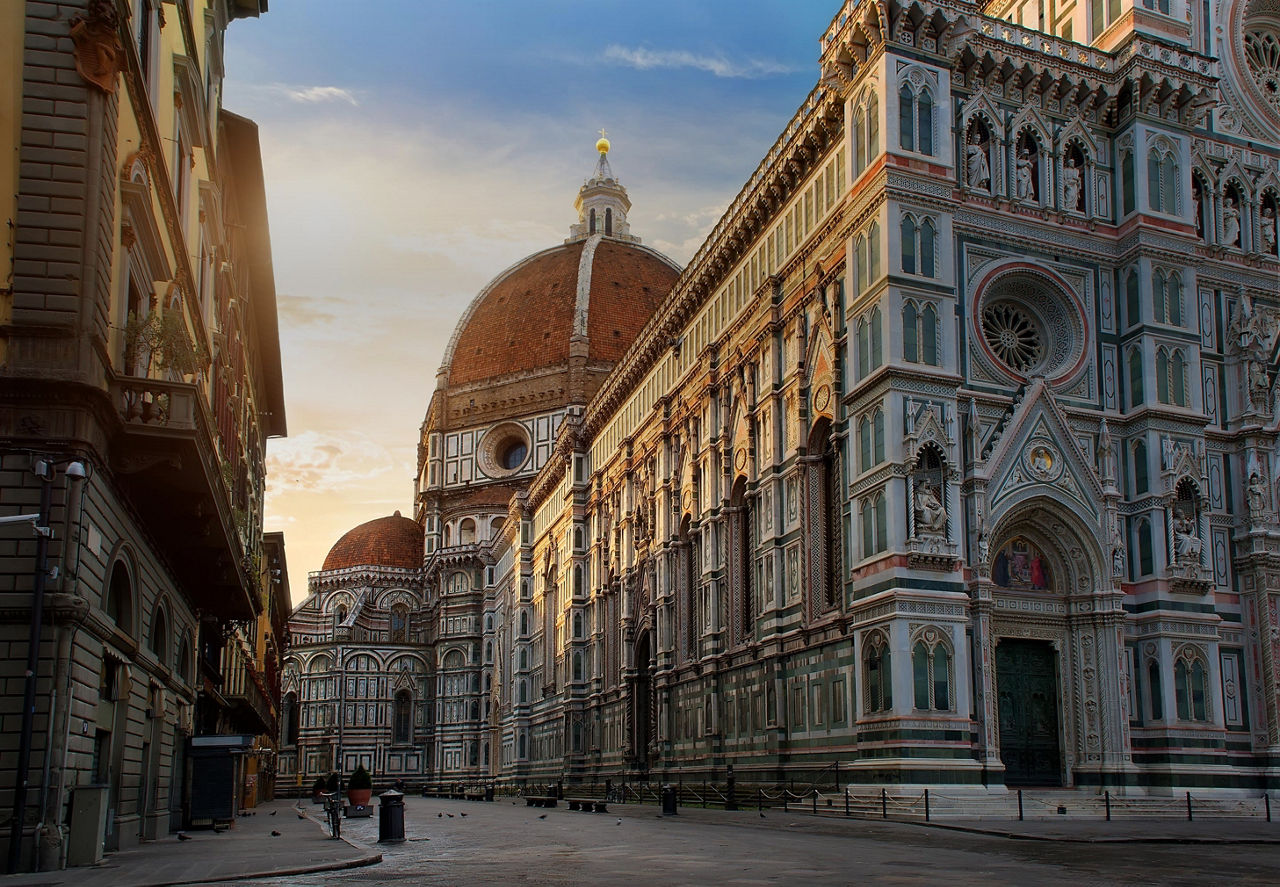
[317, 790]
[360, 787]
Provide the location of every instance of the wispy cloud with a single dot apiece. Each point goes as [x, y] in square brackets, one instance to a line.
[314, 95]
[645, 59]
[322, 462]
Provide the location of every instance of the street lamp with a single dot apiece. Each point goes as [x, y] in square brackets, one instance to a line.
[75, 472]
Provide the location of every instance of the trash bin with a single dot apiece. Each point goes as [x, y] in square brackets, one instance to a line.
[668, 800]
[391, 817]
[488, 792]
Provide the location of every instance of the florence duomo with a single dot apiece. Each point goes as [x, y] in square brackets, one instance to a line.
[950, 458]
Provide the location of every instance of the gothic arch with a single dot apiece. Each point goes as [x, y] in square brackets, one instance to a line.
[1060, 530]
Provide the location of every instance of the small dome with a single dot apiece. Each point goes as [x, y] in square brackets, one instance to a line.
[393, 541]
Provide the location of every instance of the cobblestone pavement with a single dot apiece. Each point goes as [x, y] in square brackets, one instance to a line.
[502, 843]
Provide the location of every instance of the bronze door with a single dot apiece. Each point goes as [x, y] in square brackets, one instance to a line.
[1027, 690]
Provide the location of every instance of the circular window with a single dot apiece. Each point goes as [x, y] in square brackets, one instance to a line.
[513, 455]
[504, 450]
[1030, 325]
[1013, 334]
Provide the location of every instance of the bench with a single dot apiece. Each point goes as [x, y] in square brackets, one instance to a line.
[587, 805]
[540, 800]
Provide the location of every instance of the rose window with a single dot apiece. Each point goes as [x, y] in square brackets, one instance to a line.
[1262, 55]
[1014, 335]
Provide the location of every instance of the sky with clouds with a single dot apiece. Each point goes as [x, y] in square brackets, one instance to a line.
[414, 149]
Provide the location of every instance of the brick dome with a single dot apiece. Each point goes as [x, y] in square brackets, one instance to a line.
[393, 541]
[599, 290]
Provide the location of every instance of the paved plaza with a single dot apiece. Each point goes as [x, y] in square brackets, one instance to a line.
[467, 843]
[502, 842]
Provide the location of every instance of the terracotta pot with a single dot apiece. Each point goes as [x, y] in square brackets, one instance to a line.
[359, 797]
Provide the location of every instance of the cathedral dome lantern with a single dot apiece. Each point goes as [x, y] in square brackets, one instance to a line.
[602, 203]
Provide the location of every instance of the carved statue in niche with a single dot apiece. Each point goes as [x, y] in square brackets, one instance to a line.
[978, 167]
[1117, 552]
[1259, 386]
[1230, 222]
[1186, 544]
[931, 517]
[1256, 494]
[1027, 168]
[1072, 181]
[1267, 229]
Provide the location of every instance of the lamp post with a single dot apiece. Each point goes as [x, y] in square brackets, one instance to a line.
[44, 469]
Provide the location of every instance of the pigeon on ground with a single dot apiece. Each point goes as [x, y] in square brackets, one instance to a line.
[450, 815]
[301, 815]
[182, 837]
[274, 833]
[619, 821]
[274, 812]
[439, 816]
[542, 816]
[762, 816]
[463, 814]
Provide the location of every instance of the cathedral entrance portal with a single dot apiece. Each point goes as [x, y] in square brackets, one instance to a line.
[1027, 690]
[643, 715]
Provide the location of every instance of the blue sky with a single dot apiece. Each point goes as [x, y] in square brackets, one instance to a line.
[413, 150]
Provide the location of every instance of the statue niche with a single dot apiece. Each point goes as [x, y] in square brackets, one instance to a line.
[1186, 571]
[1027, 169]
[978, 157]
[1073, 171]
[929, 544]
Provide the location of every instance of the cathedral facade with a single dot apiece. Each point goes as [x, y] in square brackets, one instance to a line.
[949, 458]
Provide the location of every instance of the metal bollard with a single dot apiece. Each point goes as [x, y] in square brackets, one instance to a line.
[391, 817]
[815, 802]
[926, 805]
[884, 804]
[1019, 805]
[1189, 807]
[846, 800]
[1107, 797]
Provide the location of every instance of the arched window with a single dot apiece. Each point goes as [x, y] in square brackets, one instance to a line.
[402, 720]
[577, 665]
[873, 253]
[524, 659]
[160, 636]
[1162, 180]
[1155, 695]
[591, 224]
[1128, 185]
[873, 128]
[927, 234]
[1132, 300]
[608, 222]
[467, 532]
[290, 719]
[931, 673]
[877, 338]
[1157, 296]
[860, 153]
[399, 624]
[1145, 564]
[920, 334]
[524, 623]
[874, 524]
[859, 265]
[908, 245]
[119, 603]
[871, 440]
[929, 336]
[877, 676]
[1190, 687]
[1178, 378]
[1135, 376]
[864, 348]
[910, 333]
[183, 661]
[906, 118]
[522, 697]
[1141, 482]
